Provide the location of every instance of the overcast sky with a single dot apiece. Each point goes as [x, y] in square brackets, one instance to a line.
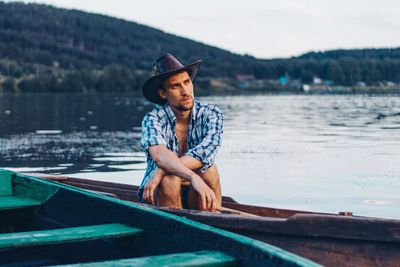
[262, 28]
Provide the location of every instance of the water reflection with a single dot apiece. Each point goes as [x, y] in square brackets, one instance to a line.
[97, 165]
[69, 112]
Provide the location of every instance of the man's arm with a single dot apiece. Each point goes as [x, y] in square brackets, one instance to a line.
[191, 163]
[168, 162]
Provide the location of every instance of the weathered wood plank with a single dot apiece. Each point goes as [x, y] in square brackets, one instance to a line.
[192, 259]
[75, 234]
[13, 202]
[47, 176]
[5, 183]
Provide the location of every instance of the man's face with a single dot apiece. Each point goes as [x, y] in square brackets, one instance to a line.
[178, 91]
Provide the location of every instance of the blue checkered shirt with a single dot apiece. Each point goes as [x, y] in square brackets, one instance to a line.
[203, 139]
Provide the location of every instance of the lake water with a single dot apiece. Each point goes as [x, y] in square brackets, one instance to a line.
[326, 153]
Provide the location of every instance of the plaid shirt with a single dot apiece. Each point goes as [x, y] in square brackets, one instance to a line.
[203, 139]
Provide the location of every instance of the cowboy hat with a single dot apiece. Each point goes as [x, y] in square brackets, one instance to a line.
[163, 67]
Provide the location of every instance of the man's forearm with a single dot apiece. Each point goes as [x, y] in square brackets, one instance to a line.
[191, 163]
[169, 162]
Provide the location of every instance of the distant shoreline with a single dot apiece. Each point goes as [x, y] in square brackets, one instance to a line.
[221, 92]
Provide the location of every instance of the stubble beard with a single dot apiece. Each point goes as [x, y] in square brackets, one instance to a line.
[186, 107]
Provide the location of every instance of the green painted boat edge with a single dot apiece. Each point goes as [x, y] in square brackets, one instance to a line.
[5, 185]
[272, 251]
[65, 235]
[202, 258]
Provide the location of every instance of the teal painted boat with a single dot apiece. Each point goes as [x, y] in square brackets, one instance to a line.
[329, 239]
[45, 223]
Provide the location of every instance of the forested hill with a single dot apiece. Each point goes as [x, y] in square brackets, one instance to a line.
[93, 51]
[75, 39]
[44, 49]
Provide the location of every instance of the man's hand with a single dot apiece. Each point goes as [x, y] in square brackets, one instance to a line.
[208, 199]
[151, 186]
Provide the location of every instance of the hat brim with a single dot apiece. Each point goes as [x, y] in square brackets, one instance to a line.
[151, 86]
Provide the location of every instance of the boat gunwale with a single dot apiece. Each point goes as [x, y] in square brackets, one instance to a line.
[242, 222]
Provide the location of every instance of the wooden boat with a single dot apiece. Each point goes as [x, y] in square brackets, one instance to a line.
[47, 223]
[329, 239]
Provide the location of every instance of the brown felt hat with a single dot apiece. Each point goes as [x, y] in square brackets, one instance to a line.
[163, 67]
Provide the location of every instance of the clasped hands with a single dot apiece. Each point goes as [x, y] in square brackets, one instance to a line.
[208, 198]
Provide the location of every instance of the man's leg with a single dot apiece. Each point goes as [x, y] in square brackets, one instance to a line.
[211, 178]
[169, 192]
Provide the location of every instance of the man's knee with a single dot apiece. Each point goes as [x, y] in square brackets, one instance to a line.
[170, 186]
[211, 174]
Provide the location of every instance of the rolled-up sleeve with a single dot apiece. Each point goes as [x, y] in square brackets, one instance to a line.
[152, 132]
[206, 150]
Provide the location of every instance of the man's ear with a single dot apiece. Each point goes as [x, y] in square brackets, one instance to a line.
[162, 94]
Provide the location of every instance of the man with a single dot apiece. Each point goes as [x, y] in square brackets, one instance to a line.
[180, 137]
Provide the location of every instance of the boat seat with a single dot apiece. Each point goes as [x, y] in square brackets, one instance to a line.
[188, 259]
[64, 235]
[13, 202]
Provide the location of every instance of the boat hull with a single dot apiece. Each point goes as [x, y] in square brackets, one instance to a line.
[329, 239]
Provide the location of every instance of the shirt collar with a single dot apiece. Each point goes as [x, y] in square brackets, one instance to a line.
[170, 114]
[194, 110]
